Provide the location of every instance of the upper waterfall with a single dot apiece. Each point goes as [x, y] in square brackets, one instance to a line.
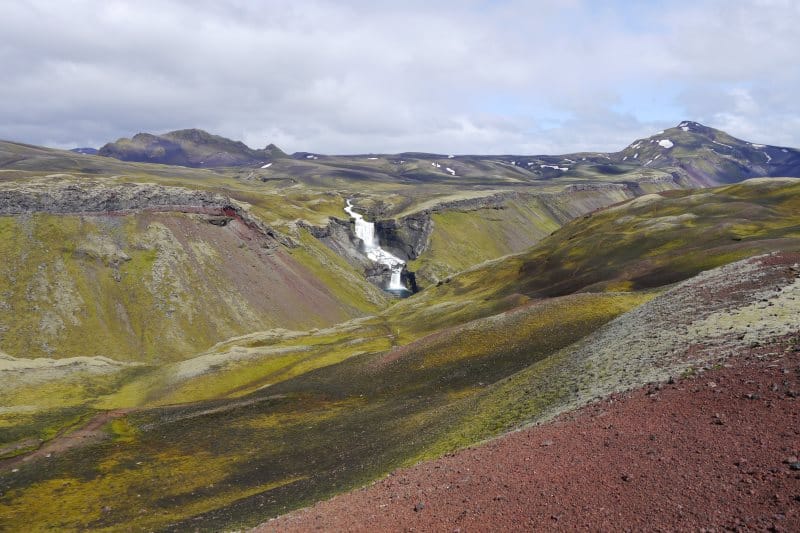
[366, 232]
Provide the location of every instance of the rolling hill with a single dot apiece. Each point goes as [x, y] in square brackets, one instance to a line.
[207, 347]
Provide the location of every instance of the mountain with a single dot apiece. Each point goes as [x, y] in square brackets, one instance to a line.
[708, 156]
[218, 342]
[190, 148]
[690, 154]
[275, 420]
[85, 151]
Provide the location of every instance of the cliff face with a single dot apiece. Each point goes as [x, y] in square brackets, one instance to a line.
[339, 236]
[74, 198]
[62, 198]
[406, 237]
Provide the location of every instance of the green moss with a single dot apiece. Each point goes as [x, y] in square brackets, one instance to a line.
[144, 304]
[461, 239]
[350, 288]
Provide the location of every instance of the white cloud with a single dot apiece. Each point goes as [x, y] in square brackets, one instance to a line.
[467, 77]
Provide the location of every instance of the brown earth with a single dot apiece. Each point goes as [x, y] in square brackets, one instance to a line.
[89, 433]
[714, 451]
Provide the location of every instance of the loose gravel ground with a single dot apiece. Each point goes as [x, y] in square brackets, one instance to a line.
[718, 450]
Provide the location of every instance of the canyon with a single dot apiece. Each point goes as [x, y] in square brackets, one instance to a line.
[223, 338]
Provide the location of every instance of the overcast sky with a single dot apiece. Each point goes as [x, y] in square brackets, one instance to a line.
[447, 76]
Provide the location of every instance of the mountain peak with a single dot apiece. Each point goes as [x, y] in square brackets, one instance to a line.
[188, 147]
[274, 152]
[191, 134]
[695, 127]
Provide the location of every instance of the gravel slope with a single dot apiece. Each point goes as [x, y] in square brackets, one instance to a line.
[718, 450]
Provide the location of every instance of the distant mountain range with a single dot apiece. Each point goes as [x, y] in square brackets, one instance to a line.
[698, 154]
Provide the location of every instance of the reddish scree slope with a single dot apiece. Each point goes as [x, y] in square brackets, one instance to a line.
[719, 450]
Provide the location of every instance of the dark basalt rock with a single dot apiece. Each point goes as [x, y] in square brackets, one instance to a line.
[101, 199]
[407, 237]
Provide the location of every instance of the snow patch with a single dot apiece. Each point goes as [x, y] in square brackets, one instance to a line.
[685, 128]
[636, 155]
[666, 143]
[758, 145]
[769, 158]
[784, 150]
[722, 144]
[450, 170]
[555, 167]
[267, 165]
[372, 158]
[450, 156]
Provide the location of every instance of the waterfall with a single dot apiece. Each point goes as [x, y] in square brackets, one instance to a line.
[366, 232]
[396, 283]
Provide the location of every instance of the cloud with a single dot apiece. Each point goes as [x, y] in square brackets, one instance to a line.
[471, 76]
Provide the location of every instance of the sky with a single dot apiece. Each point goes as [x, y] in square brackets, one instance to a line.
[450, 76]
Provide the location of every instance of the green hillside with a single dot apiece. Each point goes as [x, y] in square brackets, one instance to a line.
[277, 419]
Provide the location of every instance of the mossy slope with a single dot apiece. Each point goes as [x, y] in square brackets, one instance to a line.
[481, 354]
[151, 287]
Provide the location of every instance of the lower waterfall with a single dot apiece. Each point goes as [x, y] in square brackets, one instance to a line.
[366, 232]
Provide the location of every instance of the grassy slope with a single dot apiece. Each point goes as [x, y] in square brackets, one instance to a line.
[318, 429]
[130, 285]
[462, 239]
[648, 242]
[367, 413]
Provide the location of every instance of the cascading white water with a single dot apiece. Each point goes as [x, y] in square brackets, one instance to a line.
[366, 232]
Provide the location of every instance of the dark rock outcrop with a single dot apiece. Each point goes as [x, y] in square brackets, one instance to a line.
[102, 199]
[406, 237]
[339, 236]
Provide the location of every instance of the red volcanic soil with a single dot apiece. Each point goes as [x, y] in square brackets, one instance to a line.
[715, 451]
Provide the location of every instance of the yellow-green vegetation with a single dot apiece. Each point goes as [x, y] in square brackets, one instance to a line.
[348, 286]
[154, 288]
[306, 437]
[248, 364]
[648, 242]
[131, 488]
[461, 239]
[271, 378]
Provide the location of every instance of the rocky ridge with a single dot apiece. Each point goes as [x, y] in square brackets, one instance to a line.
[70, 198]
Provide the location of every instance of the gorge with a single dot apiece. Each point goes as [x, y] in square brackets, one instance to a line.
[366, 232]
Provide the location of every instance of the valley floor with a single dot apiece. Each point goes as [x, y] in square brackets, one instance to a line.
[713, 449]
